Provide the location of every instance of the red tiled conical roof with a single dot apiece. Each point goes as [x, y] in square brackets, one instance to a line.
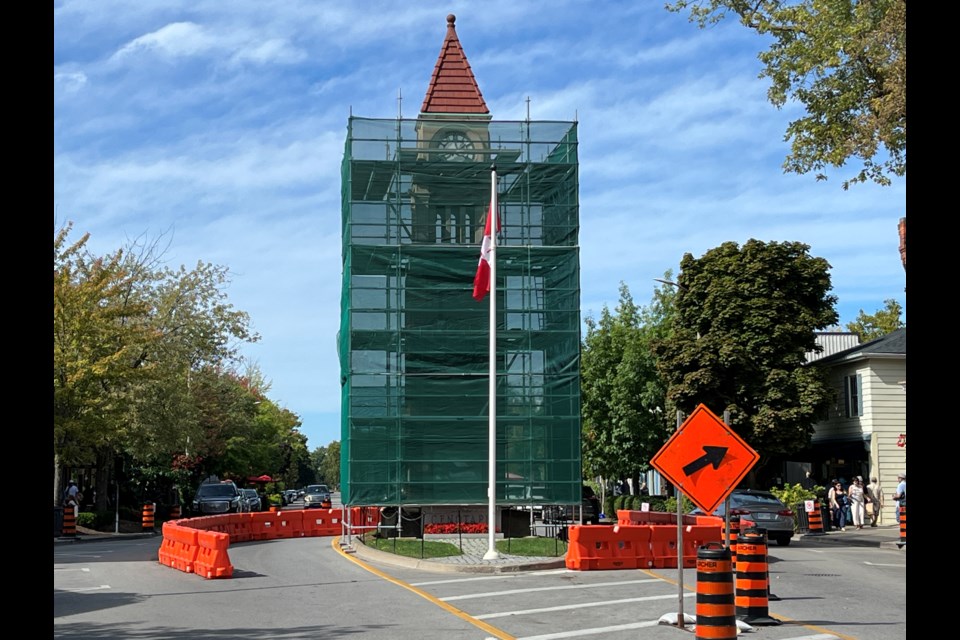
[453, 89]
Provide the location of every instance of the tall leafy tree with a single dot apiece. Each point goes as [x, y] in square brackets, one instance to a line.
[746, 316]
[330, 468]
[845, 61]
[101, 327]
[623, 394]
[879, 324]
[129, 336]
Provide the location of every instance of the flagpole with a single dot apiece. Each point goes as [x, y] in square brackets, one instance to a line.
[491, 553]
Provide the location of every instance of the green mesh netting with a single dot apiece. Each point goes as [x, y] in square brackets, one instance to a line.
[413, 343]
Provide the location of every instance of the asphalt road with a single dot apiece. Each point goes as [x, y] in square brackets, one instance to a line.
[307, 588]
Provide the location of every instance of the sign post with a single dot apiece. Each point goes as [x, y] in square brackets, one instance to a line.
[705, 460]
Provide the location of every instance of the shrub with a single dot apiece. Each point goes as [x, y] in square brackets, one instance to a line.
[794, 495]
[608, 508]
[670, 505]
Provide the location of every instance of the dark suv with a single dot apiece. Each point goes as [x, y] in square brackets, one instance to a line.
[218, 497]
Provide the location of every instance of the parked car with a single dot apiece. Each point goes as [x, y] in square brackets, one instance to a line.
[289, 496]
[317, 495]
[763, 508]
[252, 500]
[218, 497]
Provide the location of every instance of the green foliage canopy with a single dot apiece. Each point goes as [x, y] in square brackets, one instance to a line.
[623, 406]
[845, 61]
[879, 324]
[746, 316]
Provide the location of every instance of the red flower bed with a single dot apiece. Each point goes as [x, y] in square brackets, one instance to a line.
[453, 527]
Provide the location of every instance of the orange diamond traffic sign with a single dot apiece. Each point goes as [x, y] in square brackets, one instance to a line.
[705, 459]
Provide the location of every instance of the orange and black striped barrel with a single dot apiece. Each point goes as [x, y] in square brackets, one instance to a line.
[175, 512]
[716, 612]
[903, 524]
[69, 526]
[148, 516]
[734, 535]
[815, 520]
[752, 582]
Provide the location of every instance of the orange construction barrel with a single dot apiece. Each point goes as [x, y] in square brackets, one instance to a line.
[69, 528]
[147, 516]
[903, 524]
[716, 611]
[815, 520]
[752, 583]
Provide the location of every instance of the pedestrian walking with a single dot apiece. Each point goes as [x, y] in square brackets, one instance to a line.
[837, 498]
[875, 497]
[857, 502]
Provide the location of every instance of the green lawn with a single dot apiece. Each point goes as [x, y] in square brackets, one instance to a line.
[416, 548]
[413, 547]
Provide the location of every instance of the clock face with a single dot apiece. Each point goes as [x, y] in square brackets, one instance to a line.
[455, 146]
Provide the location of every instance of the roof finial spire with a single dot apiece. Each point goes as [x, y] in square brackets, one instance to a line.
[450, 20]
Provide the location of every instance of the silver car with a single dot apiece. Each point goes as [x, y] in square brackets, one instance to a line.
[763, 508]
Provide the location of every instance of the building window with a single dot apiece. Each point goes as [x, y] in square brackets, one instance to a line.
[853, 392]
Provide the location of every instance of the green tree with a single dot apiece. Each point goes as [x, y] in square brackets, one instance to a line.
[129, 337]
[330, 469]
[884, 321]
[845, 61]
[100, 329]
[745, 318]
[623, 394]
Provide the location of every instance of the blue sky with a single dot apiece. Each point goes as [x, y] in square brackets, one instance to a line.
[219, 128]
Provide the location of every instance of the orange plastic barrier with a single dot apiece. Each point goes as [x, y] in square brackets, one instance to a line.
[322, 522]
[631, 516]
[602, 547]
[239, 526]
[663, 548]
[212, 559]
[696, 536]
[288, 524]
[179, 547]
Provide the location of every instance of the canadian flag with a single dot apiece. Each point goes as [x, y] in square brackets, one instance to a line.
[481, 281]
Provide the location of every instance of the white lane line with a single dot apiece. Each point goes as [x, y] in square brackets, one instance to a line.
[103, 586]
[640, 625]
[566, 587]
[882, 564]
[585, 605]
[499, 576]
[590, 632]
[71, 569]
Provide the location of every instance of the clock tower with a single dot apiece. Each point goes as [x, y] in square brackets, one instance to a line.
[453, 127]
[414, 343]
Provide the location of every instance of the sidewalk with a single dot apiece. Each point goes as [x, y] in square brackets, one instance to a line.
[883, 536]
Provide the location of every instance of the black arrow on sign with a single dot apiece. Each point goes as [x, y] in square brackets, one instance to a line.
[711, 455]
